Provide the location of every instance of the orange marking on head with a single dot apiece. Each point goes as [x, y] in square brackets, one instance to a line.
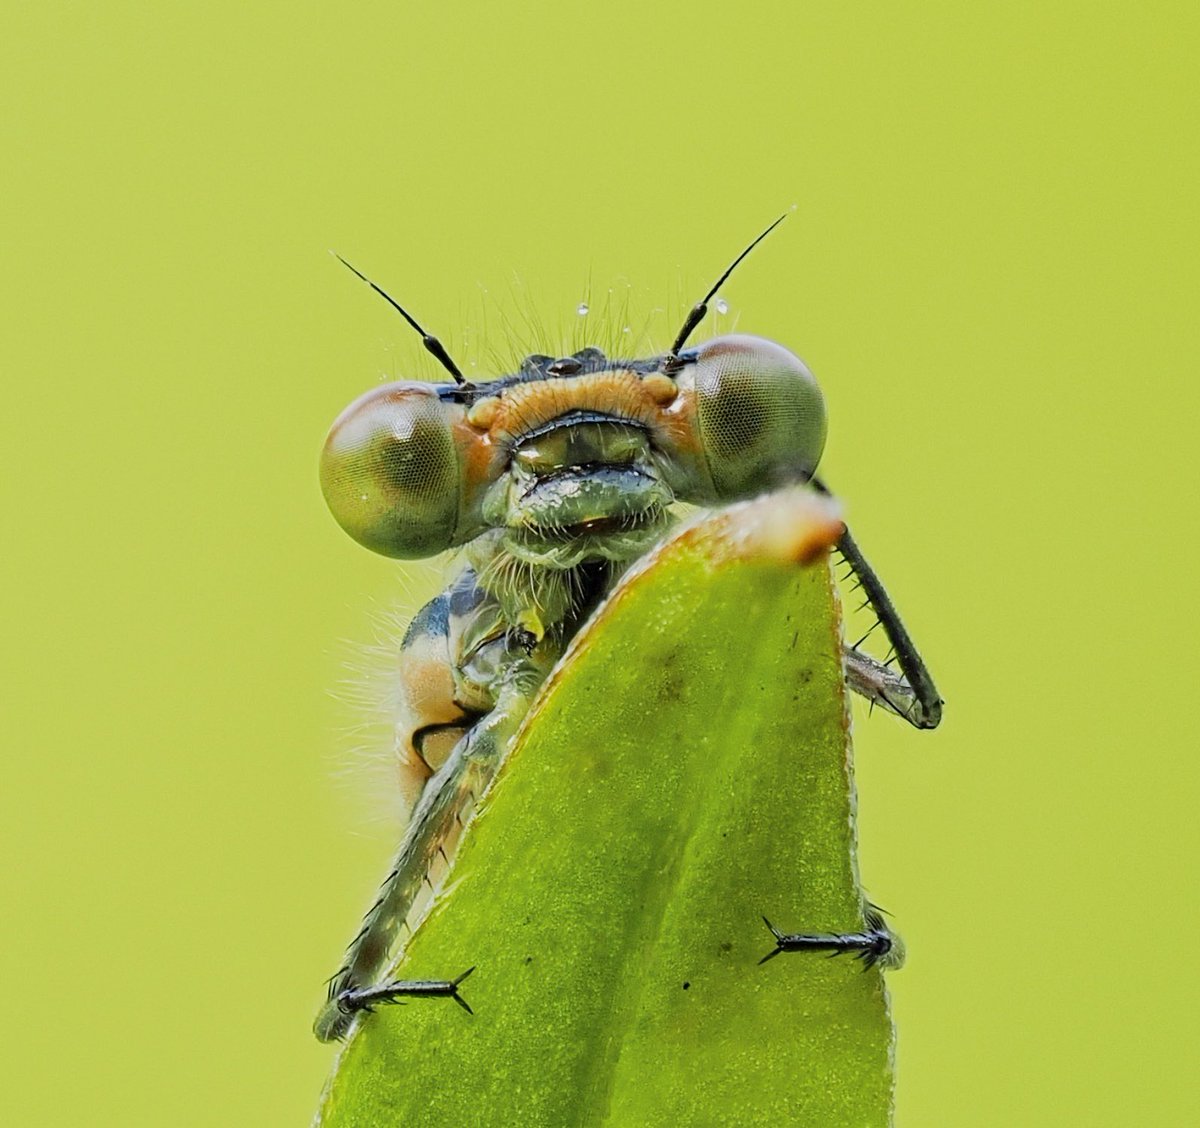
[482, 459]
[661, 387]
[619, 392]
[483, 413]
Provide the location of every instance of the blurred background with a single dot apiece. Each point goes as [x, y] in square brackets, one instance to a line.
[992, 270]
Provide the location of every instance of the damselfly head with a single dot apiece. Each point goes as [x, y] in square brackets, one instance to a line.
[411, 469]
[571, 448]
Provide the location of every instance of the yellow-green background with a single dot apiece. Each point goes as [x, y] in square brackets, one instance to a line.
[992, 270]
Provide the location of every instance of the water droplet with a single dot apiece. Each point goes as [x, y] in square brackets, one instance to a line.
[626, 329]
[362, 497]
[722, 305]
[582, 309]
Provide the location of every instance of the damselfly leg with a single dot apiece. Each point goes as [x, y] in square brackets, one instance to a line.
[908, 692]
[874, 944]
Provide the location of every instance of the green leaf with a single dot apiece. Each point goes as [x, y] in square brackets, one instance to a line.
[685, 772]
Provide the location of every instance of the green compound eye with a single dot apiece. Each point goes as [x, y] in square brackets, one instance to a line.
[390, 471]
[761, 415]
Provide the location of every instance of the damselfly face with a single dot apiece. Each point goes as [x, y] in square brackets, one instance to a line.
[571, 459]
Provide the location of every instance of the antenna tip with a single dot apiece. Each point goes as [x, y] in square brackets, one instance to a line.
[356, 272]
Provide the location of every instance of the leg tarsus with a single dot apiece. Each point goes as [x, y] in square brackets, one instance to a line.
[875, 944]
[353, 1000]
[456, 996]
[779, 938]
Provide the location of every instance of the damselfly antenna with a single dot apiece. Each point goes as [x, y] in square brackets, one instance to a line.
[701, 307]
[431, 343]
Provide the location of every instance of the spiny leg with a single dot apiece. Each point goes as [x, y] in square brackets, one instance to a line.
[461, 780]
[875, 944]
[910, 693]
[443, 801]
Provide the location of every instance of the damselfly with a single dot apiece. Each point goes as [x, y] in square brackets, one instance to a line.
[553, 480]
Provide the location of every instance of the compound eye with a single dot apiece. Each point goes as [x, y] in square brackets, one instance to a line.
[390, 471]
[761, 415]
